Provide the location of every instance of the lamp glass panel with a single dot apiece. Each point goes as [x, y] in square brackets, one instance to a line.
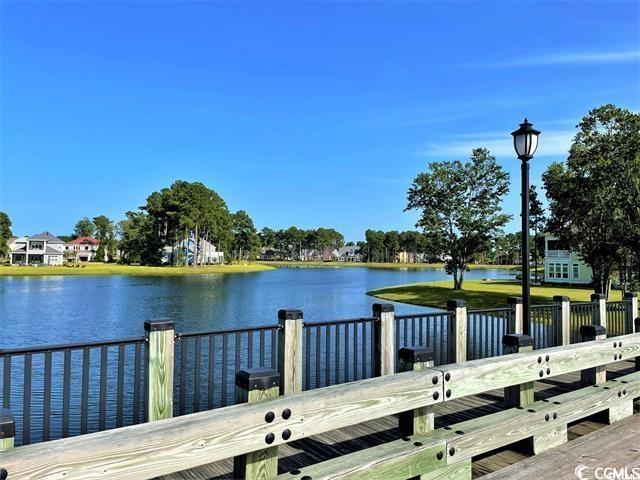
[534, 144]
[520, 144]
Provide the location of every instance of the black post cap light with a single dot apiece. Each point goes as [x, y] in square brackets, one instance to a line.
[525, 140]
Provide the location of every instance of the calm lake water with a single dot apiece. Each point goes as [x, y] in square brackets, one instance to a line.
[61, 309]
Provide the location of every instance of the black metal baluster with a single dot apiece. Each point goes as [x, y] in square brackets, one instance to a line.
[355, 351]
[136, 385]
[346, 353]
[26, 401]
[46, 407]
[6, 382]
[307, 358]
[120, 388]
[250, 349]
[196, 373]
[66, 386]
[337, 354]
[225, 367]
[211, 378]
[104, 352]
[318, 357]
[262, 348]
[84, 403]
[184, 351]
[327, 356]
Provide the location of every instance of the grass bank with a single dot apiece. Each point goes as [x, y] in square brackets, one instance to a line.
[117, 269]
[480, 294]
[417, 266]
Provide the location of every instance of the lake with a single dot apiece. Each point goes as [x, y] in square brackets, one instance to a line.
[61, 309]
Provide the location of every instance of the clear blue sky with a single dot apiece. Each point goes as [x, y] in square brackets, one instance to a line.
[313, 114]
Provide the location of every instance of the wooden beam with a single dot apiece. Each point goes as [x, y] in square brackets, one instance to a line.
[290, 351]
[152, 449]
[256, 385]
[600, 313]
[515, 322]
[397, 460]
[631, 311]
[7, 430]
[478, 376]
[561, 320]
[457, 331]
[518, 395]
[384, 345]
[419, 420]
[594, 375]
[160, 346]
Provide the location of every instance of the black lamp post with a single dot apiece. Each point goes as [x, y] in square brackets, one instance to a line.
[525, 142]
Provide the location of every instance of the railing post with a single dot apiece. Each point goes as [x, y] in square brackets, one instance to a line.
[419, 420]
[561, 320]
[600, 313]
[518, 395]
[515, 324]
[384, 345]
[457, 331]
[7, 431]
[596, 375]
[256, 385]
[636, 323]
[290, 351]
[630, 311]
[160, 346]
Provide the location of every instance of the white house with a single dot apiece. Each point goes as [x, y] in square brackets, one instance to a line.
[84, 248]
[563, 266]
[207, 253]
[348, 254]
[40, 249]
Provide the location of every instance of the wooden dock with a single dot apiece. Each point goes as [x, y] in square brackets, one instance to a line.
[333, 444]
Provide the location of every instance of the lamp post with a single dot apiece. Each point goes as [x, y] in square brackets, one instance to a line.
[525, 143]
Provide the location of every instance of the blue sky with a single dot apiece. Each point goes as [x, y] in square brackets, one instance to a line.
[313, 114]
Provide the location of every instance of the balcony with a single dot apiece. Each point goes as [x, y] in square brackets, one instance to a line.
[558, 254]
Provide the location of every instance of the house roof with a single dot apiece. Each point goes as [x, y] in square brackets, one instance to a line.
[84, 241]
[47, 237]
[19, 250]
[52, 251]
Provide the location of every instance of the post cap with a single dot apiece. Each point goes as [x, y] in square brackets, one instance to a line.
[257, 379]
[596, 297]
[382, 308]
[453, 304]
[514, 300]
[416, 354]
[560, 298]
[7, 424]
[159, 325]
[631, 295]
[289, 314]
[592, 330]
[517, 340]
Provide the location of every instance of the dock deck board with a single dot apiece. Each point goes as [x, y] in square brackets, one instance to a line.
[333, 444]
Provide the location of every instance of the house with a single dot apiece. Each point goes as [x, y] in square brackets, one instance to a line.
[83, 249]
[563, 266]
[40, 249]
[207, 253]
[348, 254]
[410, 257]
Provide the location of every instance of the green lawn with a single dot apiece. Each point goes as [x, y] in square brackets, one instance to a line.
[277, 263]
[117, 269]
[479, 294]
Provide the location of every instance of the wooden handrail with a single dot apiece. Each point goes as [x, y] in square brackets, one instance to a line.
[166, 446]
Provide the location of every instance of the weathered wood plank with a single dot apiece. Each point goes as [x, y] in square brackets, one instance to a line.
[384, 345]
[148, 450]
[419, 420]
[290, 351]
[160, 348]
[457, 330]
[478, 376]
[457, 471]
[397, 460]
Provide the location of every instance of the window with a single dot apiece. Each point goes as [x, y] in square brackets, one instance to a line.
[565, 271]
[576, 271]
[552, 267]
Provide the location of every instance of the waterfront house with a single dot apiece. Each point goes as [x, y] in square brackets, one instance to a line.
[83, 249]
[349, 253]
[207, 253]
[40, 249]
[561, 265]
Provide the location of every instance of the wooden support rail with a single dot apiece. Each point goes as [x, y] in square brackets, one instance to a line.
[166, 446]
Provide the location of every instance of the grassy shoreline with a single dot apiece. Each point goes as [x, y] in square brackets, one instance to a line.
[134, 270]
[417, 266]
[479, 294]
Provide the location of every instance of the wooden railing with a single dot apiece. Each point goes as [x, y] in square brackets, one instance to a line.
[252, 431]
